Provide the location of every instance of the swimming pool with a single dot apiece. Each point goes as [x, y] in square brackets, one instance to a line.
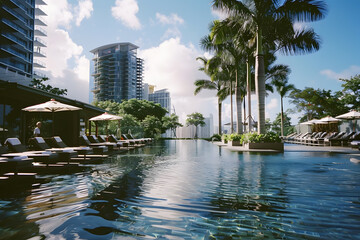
[192, 190]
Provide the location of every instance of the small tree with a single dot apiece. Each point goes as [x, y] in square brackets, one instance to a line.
[276, 124]
[152, 126]
[171, 122]
[195, 119]
[39, 84]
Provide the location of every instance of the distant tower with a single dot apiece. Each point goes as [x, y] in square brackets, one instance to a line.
[118, 73]
[161, 96]
[39, 43]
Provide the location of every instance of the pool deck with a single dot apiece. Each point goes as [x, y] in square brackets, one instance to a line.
[298, 148]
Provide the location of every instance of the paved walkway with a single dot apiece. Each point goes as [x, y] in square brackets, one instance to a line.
[298, 148]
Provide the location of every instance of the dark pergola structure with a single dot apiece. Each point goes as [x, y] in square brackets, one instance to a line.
[16, 123]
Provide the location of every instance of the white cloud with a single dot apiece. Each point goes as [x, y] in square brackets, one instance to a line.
[173, 32]
[272, 104]
[125, 11]
[173, 65]
[173, 19]
[59, 14]
[67, 67]
[347, 73]
[219, 14]
[83, 10]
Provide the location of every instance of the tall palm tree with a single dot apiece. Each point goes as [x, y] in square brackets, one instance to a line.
[209, 68]
[272, 21]
[283, 88]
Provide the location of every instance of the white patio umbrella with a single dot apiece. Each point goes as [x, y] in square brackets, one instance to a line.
[352, 115]
[329, 119]
[311, 122]
[51, 106]
[105, 117]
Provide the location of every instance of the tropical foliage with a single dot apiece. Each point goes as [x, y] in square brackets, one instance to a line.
[195, 119]
[39, 83]
[254, 137]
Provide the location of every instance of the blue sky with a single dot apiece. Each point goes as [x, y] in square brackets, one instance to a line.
[168, 35]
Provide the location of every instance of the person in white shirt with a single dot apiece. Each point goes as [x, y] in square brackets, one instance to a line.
[37, 129]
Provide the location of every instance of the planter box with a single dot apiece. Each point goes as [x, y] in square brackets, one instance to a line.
[234, 143]
[271, 146]
[224, 141]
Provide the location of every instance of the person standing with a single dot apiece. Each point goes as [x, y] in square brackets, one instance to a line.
[37, 129]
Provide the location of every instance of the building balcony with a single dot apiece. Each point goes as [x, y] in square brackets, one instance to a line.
[39, 53]
[16, 15]
[38, 42]
[39, 11]
[40, 2]
[14, 26]
[21, 9]
[16, 42]
[40, 21]
[38, 31]
[38, 64]
[37, 74]
[21, 57]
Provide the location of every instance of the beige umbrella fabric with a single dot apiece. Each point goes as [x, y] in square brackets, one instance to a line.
[51, 106]
[105, 117]
[352, 115]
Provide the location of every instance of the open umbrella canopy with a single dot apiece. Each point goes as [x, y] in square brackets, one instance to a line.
[350, 115]
[311, 122]
[329, 119]
[105, 117]
[51, 106]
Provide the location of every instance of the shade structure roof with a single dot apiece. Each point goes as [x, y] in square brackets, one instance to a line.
[350, 115]
[311, 122]
[329, 119]
[51, 106]
[105, 117]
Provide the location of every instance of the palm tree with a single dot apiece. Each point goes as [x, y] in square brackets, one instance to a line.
[272, 22]
[283, 88]
[210, 69]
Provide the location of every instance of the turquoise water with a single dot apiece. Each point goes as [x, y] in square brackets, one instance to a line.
[191, 190]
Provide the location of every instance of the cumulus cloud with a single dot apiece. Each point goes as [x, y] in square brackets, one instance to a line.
[219, 14]
[347, 73]
[172, 19]
[67, 67]
[173, 65]
[83, 10]
[125, 11]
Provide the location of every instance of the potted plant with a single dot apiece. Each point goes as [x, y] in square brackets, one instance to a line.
[268, 140]
[234, 139]
[224, 138]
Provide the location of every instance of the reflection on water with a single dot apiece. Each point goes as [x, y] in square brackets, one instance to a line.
[191, 190]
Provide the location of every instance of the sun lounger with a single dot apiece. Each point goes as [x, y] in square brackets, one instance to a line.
[102, 139]
[93, 139]
[329, 141]
[57, 142]
[342, 139]
[97, 147]
[39, 143]
[123, 143]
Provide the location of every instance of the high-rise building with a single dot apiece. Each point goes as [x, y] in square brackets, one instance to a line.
[118, 73]
[39, 43]
[163, 97]
[17, 40]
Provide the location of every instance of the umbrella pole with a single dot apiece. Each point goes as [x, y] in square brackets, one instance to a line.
[53, 125]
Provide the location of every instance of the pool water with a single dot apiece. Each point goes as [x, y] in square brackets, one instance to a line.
[191, 190]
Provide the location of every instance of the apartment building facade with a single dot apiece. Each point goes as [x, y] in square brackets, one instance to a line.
[118, 72]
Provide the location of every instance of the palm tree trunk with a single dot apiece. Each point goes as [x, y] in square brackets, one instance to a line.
[239, 126]
[248, 83]
[282, 117]
[196, 132]
[260, 83]
[219, 114]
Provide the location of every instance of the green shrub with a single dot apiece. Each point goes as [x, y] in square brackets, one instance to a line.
[215, 137]
[254, 137]
[234, 137]
[225, 137]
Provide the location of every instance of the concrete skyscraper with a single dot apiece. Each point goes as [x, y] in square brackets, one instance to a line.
[118, 72]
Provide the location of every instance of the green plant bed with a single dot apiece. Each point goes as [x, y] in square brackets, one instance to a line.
[268, 140]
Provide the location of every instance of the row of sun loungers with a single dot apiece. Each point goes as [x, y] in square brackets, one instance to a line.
[325, 139]
[54, 155]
